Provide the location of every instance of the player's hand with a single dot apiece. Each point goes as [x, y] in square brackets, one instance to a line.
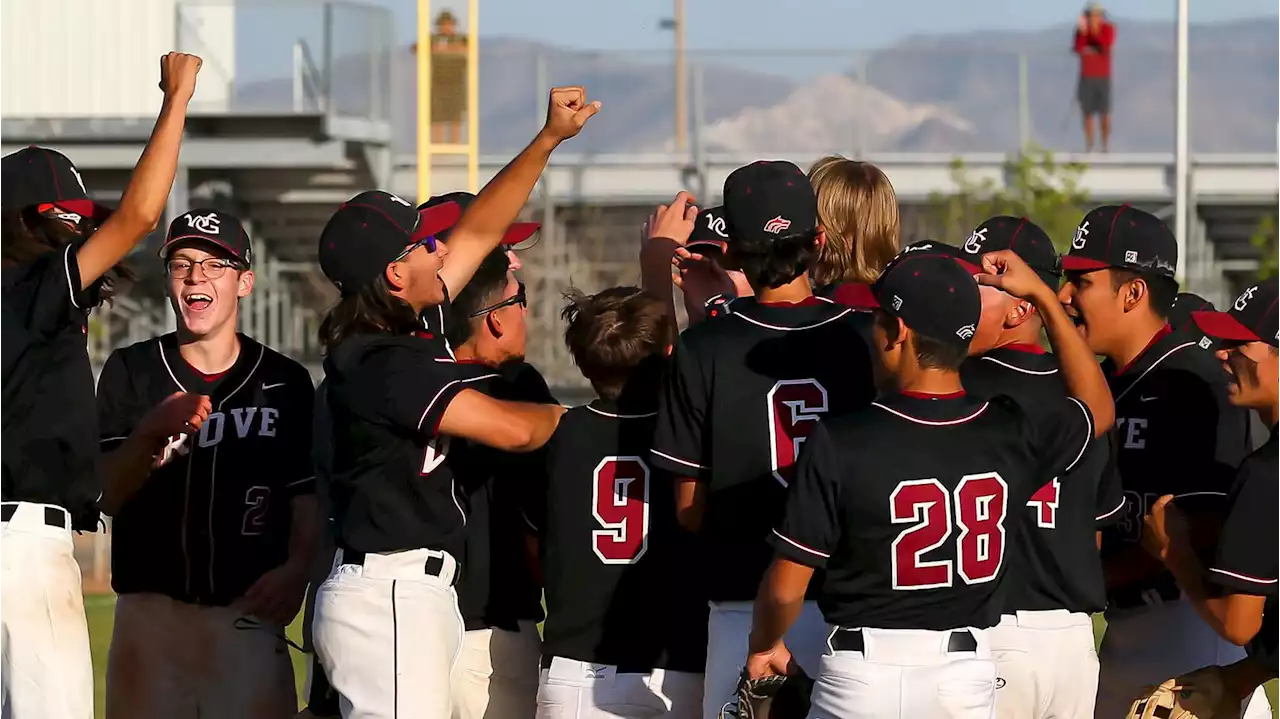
[700, 278]
[277, 595]
[674, 221]
[1004, 270]
[179, 413]
[1163, 526]
[776, 660]
[567, 111]
[1082, 23]
[178, 72]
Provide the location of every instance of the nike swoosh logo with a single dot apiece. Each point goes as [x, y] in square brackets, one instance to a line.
[1147, 399]
[266, 387]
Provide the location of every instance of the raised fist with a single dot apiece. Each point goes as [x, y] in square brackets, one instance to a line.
[567, 111]
[178, 75]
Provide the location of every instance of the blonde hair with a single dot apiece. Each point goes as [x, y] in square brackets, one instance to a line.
[859, 211]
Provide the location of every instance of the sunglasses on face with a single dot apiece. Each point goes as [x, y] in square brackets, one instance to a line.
[428, 242]
[517, 299]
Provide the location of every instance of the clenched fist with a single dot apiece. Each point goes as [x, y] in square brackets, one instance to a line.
[178, 75]
[567, 111]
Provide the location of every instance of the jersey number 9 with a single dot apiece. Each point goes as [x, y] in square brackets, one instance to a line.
[979, 503]
[620, 504]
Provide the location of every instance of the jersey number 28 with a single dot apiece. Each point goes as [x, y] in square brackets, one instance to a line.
[620, 505]
[977, 506]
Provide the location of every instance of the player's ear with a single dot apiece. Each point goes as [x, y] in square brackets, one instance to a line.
[1020, 312]
[495, 324]
[245, 284]
[1133, 292]
[395, 275]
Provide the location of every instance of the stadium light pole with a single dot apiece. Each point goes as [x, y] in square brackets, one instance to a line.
[1181, 159]
[675, 23]
[424, 100]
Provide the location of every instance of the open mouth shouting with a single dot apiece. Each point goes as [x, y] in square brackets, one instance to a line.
[197, 301]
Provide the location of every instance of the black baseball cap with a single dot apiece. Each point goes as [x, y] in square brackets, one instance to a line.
[710, 230]
[210, 227]
[1183, 305]
[35, 176]
[932, 294]
[1122, 236]
[372, 229]
[1252, 317]
[518, 231]
[767, 200]
[938, 249]
[1027, 240]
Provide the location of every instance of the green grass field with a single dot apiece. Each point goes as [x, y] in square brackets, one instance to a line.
[100, 611]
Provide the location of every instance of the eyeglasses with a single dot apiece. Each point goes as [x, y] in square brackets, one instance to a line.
[517, 299]
[211, 267]
[428, 242]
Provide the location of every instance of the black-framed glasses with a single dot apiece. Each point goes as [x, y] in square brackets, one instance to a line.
[428, 242]
[517, 299]
[211, 267]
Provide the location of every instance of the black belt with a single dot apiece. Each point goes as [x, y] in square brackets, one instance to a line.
[53, 516]
[851, 640]
[1150, 596]
[434, 566]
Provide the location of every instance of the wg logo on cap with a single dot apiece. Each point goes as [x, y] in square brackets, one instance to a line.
[1243, 300]
[1081, 237]
[1130, 255]
[897, 303]
[973, 245]
[966, 332]
[776, 225]
[716, 225]
[917, 248]
[1205, 343]
[393, 198]
[79, 179]
[207, 224]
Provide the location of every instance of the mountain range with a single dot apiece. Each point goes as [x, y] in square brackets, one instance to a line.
[928, 93]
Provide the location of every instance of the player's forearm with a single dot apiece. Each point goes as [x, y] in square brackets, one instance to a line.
[125, 469]
[143, 203]
[778, 604]
[304, 530]
[1187, 571]
[1079, 367]
[655, 274]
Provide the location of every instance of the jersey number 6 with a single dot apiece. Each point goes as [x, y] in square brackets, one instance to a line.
[795, 406]
[980, 502]
[620, 504]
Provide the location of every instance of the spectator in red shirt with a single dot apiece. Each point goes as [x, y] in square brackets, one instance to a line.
[1094, 37]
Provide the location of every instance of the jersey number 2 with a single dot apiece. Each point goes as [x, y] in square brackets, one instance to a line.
[979, 503]
[258, 501]
[620, 504]
[795, 406]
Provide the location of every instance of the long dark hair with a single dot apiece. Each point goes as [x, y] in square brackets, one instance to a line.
[26, 235]
[372, 310]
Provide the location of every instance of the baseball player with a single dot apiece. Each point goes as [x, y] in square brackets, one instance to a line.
[625, 634]
[498, 593]
[60, 252]
[213, 529]
[746, 387]
[915, 545]
[398, 516]
[1180, 318]
[1176, 433]
[1043, 646]
[1243, 569]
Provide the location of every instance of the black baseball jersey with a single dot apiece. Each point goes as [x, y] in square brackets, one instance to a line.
[1055, 554]
[497, 586]
[215, 517]
[50, 430]
[906, 505]
[745, 388]
[393, 487]
[621, 583]
[1176, 433]
[435, 327]
[1247, 560]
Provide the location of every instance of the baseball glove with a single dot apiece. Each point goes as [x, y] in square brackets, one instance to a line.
[771, 697]
[1198, 695]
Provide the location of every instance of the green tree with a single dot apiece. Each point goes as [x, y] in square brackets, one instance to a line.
[1036, 186]
[1264, 238]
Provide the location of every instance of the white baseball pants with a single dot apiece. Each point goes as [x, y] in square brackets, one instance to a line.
[1046, 664]
[906, 674]
[46, 671]
[728, 631]
[570, 689]
[388, 634]
[497, 674]
[1146, 646]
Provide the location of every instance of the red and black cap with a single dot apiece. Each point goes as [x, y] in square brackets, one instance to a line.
[37, 176]
[1252, 317]
[933, 295]
[1183, 305]
[767, 200]
[1024, 237]
[518, 231]
[371, 230]
[1122, 236]
[939, 249]
[210, 227]
[710, 230]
